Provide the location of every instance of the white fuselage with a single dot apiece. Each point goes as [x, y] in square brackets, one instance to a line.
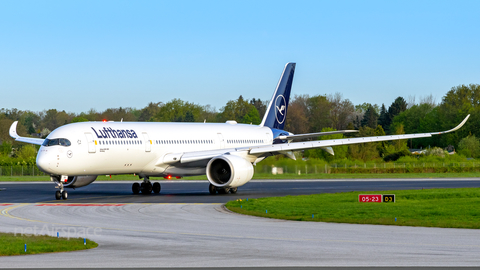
[132, 147]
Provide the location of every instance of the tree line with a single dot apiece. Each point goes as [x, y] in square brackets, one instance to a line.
[306, 114]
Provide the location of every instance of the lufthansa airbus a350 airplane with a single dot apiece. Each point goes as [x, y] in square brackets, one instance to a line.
[73, 155]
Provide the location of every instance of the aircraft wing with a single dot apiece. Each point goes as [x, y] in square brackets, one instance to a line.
[326, 143]
[286, 148]
[13, 134]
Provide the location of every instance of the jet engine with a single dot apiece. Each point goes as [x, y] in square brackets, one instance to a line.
[229, 171]
[79, 181]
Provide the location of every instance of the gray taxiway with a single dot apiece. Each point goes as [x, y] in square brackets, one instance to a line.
[159, 231]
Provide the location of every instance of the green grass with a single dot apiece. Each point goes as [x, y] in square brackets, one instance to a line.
[15, 245]
[366, 175]
[269, 176]
[446, 208]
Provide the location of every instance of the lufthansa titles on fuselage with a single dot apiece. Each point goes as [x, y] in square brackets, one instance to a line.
[112, 133]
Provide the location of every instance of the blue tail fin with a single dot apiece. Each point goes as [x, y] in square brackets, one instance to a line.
[277, 109]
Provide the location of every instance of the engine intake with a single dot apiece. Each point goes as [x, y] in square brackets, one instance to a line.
[229, 171]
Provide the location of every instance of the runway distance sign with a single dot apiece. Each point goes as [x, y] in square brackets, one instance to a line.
[370, 198]
[389, 198]
[378, 198]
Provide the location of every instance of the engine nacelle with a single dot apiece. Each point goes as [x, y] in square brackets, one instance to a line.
[79, 181]
[229, 171]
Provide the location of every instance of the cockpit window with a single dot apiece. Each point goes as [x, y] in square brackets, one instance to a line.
[52, 142]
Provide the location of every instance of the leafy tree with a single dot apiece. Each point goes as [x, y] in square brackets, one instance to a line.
[239, 110]
[381, 146]
[364, 106]
[400, 144]
[418, 119]
[5, 128]
[148, 113]
[261, 106]
[364, 151]
[455, 106]
[27, 151]
[5, 148]
[318, 113]
[79, 119]
[117, 114]
[54, 119]
[398, 106]
[179, 111]
[91, 115]
[469, 147]
[370, 118]
[382, 119]
[189, 117]
[360, 111]
[30, 120]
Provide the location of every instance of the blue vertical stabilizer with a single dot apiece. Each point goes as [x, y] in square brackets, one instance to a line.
[277, 108]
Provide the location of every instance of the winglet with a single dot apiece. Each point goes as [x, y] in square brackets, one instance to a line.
[13, 130]
[453, 129]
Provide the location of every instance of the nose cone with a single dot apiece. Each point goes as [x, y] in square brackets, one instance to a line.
[43, 161]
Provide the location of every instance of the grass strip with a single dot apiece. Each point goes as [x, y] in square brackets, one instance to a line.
[11, 244]
[260, 176]
[445, 208]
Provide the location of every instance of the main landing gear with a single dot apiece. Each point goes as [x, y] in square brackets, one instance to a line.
[221, 190]
[146, 187]
[60, 193]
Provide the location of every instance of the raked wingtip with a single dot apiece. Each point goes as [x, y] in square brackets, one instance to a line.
[13, 130]
[455, 128]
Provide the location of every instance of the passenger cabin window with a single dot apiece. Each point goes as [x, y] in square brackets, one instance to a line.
[52, 142]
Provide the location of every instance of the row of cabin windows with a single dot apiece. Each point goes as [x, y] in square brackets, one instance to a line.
[244, 141]
[130, 142]
[184, 141]
[110, 142]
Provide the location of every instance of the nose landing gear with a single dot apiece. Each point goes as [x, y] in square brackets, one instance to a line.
[60, 193]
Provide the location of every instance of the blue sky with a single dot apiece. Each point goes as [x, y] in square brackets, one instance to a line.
[78, 55]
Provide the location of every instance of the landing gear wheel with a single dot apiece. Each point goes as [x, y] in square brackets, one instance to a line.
[224, 190]
[58, 195]
[156, 187]
[64, 195]
[212, 189]
[136, 188]
[147, 188]
[233, 190]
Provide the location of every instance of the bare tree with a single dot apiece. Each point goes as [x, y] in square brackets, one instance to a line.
[430, 100]
[411, 101]
[342, 111]
[297, 120]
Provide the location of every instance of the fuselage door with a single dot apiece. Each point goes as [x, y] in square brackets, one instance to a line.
[220, 140]
[148, 142]
[90, 142]
[269, 138]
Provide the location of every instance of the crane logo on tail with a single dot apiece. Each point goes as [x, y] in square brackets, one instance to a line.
[280, 109]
